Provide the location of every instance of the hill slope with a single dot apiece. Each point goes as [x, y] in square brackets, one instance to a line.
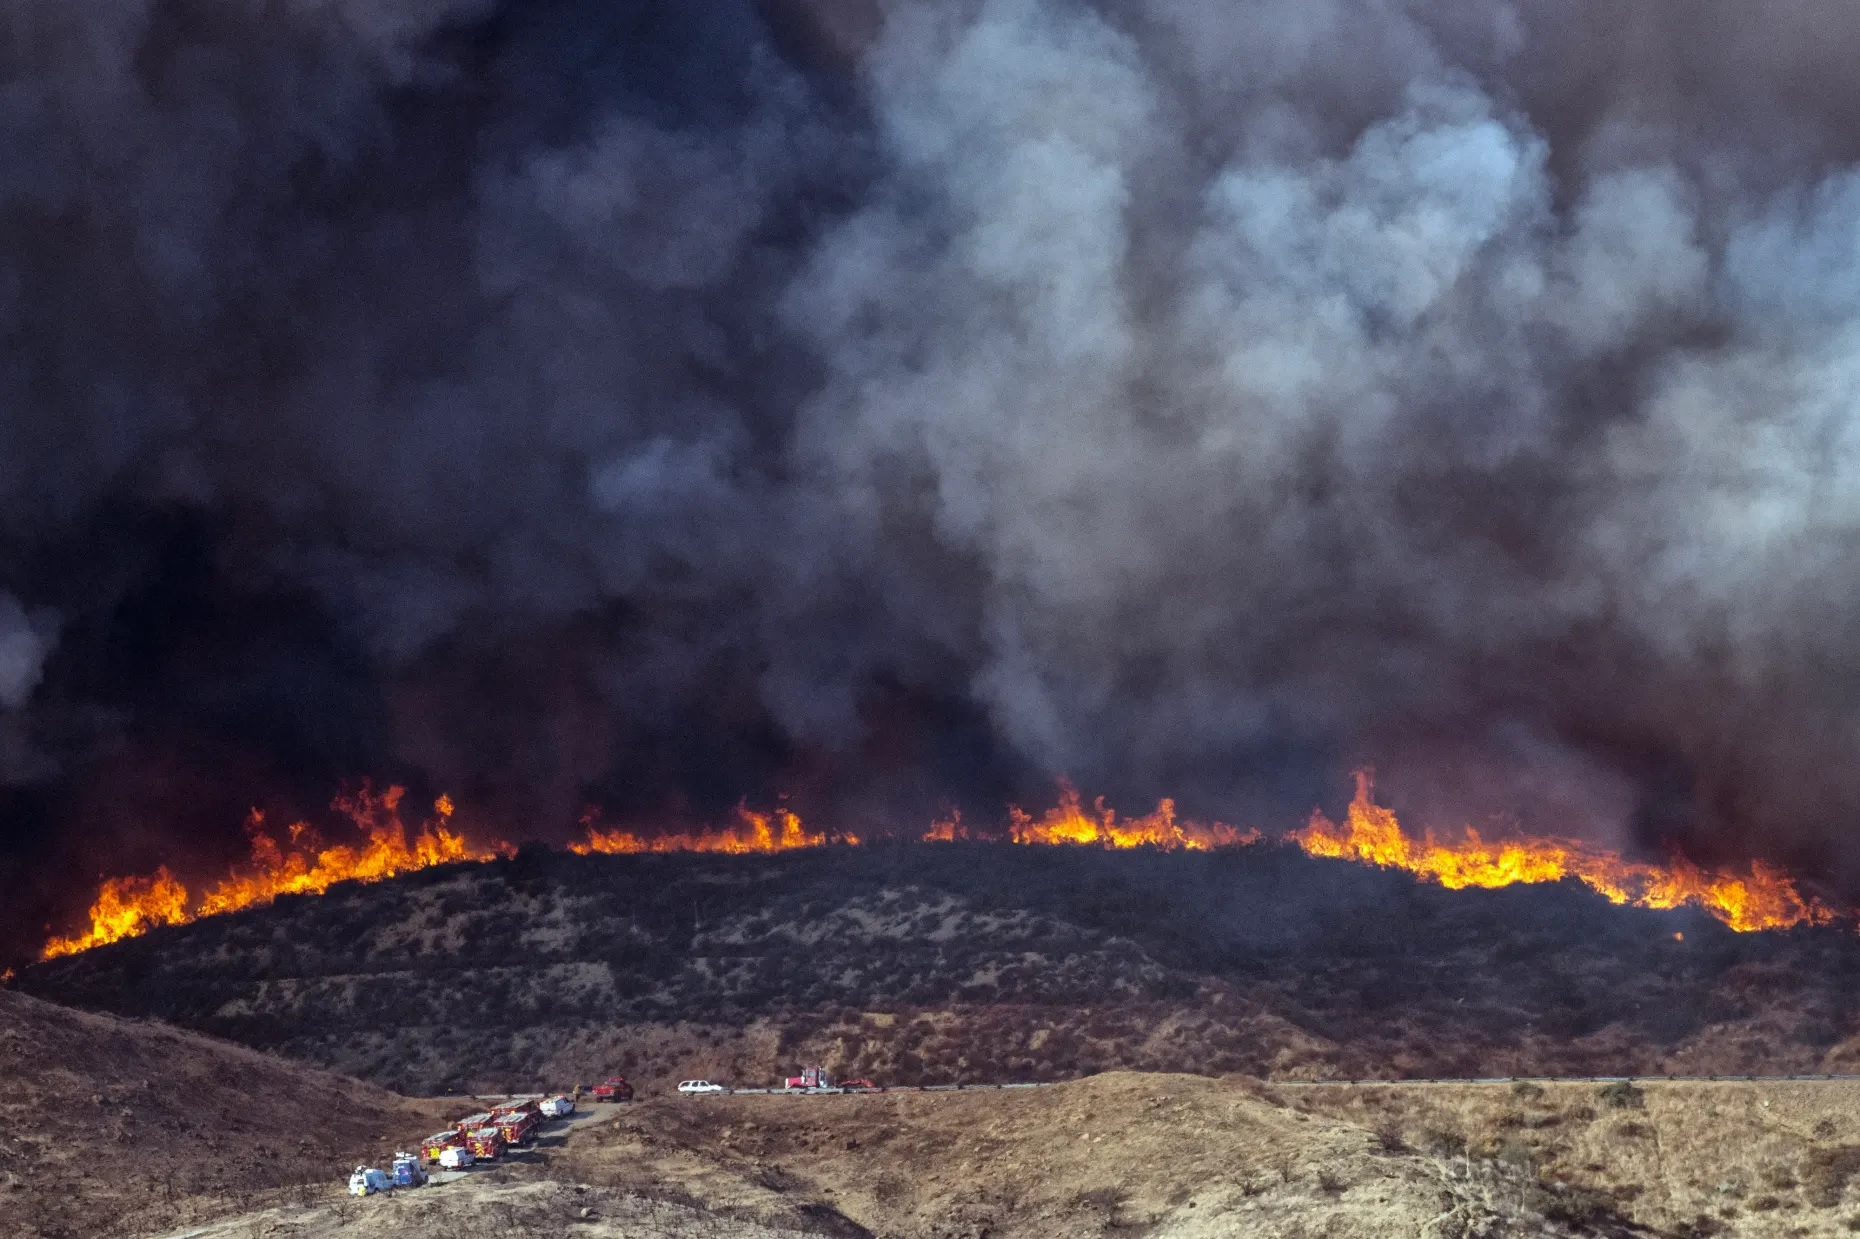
[119, 1128]
[115, 1127]
[975, 962]
[1164, 1156]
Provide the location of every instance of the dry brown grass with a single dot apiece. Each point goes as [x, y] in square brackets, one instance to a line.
[1112, 1156]
[1750, 1159]
[117, 1127]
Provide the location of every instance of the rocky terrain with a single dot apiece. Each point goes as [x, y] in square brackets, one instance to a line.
[975, 962]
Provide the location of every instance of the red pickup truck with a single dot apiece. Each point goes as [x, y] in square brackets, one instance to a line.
[614, 1088]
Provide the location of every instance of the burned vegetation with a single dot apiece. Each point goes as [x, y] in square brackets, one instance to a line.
[976, 962]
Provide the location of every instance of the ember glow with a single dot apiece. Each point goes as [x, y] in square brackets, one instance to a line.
[125, 907]
[1070, 822]
[1763, 898]
[749, 833]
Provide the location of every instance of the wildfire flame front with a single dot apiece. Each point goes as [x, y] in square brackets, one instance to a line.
[1764, 898]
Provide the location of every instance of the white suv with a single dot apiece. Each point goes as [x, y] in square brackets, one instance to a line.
[700, 1086]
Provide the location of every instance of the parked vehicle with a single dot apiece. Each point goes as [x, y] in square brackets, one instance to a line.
[810, 1078]
[528, 1105]
[614, 1088]
[689, 1087]
[558, 1107]
[517, 1126]
[434, 1146]
[408, 1172]
[366, 1181]
[486, 1143]
[455, 1157]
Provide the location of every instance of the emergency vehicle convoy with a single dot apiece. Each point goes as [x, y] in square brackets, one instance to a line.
[491, 1134]
[485, 1136]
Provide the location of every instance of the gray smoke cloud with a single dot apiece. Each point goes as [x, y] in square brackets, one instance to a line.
[1184, 397]
[25, 641]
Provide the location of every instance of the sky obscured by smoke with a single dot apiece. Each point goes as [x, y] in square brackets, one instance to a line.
[903, 403]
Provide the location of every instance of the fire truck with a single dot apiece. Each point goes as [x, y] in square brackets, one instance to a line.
[615, 1088]
[434, 1145]
[529, 1105]
[517, 1126]
[485, 1143]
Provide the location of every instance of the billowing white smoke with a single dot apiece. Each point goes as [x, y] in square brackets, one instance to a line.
[1305, 437]
[1205, 396]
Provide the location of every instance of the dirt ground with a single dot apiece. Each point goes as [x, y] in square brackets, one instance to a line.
[116, 1127]
[119, 1128]
[1165, 1157]
[1683, 1157]
[489, 1205]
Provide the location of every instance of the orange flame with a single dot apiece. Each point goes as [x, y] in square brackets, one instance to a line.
[947, 829]
[751, 832]
[126, 907]
[1763, 899]
[1070, 822]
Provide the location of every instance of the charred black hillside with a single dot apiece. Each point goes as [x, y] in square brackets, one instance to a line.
[975, 962]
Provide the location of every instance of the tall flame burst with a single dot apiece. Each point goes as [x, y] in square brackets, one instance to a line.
[750, 832]
[1762, 899]
[126, 907]
[1070, 822]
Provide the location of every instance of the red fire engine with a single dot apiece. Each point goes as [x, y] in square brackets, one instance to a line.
[439, 1142]
[528, 1105]
[517, 1126]
[486, 1143]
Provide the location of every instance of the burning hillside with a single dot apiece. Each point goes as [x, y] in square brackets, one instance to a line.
[1763, 898]
[126, 907]
[749, 833]
[1070, 822]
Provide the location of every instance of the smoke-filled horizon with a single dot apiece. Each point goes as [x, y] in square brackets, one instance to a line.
[898, 403]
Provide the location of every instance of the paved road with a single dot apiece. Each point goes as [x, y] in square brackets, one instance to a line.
[1363, 1083]
[1808, 1079]
[867, 1092]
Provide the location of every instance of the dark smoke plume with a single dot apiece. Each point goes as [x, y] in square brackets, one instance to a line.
[905, 402]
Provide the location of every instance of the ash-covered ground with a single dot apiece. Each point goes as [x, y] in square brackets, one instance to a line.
[976, 962]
